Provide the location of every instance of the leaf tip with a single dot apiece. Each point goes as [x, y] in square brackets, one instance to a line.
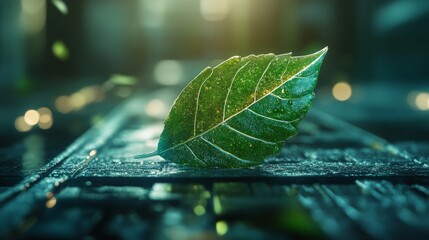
[323, 51]
[320, 55]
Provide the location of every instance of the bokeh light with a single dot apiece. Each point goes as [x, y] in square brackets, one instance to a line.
[215, 10]
[61, 6]
[46, 125]
[422, 101]
[46, 119]
[51, 202]
[21, 125]
[32, 6]
[342, 91]
[89, 93]
[77, 101]
[199, 210]
[120, 79]
[418, 100]
[62, 104]
[33, 15]
[32, 117]
[59, 49]
[221, 228]
[168, 72]
[156, 108]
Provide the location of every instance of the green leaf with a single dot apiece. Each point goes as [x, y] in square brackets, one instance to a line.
[236, 114]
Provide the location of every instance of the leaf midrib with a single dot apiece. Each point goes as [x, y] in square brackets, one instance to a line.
[227, 119]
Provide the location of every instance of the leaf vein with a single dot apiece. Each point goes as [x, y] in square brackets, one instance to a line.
[249, 136]
[309, 76]
[272, 119]
[229, 89]
[198, 99]
[193, 154]
[286, 68]
[287, 99]
[260, 79]
[224, 151]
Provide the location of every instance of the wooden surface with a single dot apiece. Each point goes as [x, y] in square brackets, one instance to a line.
[333, 180]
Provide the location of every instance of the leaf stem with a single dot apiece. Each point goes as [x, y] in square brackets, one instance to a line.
[146, 155]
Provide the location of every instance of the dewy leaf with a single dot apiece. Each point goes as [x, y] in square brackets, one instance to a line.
[236, 114]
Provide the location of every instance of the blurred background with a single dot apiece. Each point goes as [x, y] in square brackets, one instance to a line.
[65, 64]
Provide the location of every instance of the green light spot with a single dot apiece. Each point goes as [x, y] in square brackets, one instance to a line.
[59, 49]
[199, 210]
[119, 79]
[216, 205]
[61, 6]
[221, 228]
